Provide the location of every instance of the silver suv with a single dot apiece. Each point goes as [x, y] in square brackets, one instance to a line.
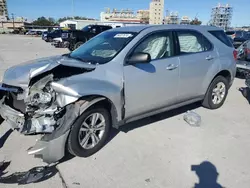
[119, 76]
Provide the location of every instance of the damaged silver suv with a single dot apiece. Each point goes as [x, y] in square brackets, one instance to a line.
[119, 76]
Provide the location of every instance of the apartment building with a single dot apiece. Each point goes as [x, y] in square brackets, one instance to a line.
[156, 12]
[125, 15]
[3, 10]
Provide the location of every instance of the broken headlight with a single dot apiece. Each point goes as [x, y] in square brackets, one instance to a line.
[41, 94]
[37, 98]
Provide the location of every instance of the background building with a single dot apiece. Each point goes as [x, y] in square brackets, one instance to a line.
[3, 10]
[185, 20]
[143, 15]
[156, 11]
[172, 18]
[123, 15]
[221, 16]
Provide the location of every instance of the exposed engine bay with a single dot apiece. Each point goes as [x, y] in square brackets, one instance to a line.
[45, 107]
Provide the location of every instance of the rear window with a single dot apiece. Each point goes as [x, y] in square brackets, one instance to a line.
[222, 37]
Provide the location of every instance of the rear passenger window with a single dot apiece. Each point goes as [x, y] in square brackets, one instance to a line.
[192, 42]
[222, 37]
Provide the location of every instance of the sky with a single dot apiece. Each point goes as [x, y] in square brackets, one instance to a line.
[32, 9]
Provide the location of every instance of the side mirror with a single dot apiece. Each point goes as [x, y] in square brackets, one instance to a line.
[139, 57]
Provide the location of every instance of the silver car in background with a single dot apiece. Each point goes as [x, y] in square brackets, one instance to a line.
[119, 76]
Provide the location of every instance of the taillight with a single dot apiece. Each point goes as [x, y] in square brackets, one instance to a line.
[235, 53]
[233, 36]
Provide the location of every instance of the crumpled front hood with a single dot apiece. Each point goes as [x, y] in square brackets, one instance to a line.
[21, 74]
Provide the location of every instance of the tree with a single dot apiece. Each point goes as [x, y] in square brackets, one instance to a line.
[195, 21]
[42, 21]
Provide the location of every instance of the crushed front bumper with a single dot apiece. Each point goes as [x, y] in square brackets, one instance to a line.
[11, 116]
[50, 151]
[49, 148]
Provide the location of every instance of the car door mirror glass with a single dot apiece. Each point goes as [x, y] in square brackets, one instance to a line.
[139, 57]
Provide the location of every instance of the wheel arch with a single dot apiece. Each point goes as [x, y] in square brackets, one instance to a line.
[225, 73]
[99, 100]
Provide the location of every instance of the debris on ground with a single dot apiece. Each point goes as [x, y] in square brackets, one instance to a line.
[192, 118]
[148, 180]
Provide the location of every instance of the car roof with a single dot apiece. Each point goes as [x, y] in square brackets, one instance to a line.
[138, 29]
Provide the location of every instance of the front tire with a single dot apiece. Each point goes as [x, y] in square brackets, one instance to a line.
[78, 44]
[217, 93]
[90, 132]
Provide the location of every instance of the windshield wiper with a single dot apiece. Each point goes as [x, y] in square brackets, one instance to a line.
[80, 59]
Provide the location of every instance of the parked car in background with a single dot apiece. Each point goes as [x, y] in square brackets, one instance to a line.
[243, 58]
[54, 34]
[31, 32]
[79, 37]
[119, 76]
[63, 41]
[238, 37]
[44, 35]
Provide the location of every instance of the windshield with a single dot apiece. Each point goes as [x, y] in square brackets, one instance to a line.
[86, 28]
[103, 47]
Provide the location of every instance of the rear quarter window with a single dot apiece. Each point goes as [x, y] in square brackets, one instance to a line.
[222, 37]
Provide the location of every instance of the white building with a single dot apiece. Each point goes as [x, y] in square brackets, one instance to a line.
[156, 12]
[172, 18]
[185, 20]
[79, 24]
[123, 15]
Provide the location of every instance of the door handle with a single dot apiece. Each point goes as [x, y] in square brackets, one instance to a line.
[209, 57]
[171, 67]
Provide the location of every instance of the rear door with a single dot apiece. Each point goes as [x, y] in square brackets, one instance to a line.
[196, 55]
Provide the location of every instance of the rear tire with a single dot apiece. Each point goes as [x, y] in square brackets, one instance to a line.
[80, 132]
[218, 89]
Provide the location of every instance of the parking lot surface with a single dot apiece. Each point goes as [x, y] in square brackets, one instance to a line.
[162, 151]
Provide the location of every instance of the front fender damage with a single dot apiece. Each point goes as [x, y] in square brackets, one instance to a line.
[45, 108]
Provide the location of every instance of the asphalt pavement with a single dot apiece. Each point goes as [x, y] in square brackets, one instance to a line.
[162, 151]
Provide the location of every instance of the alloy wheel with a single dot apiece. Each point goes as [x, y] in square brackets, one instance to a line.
[218, 93]
[91, 130]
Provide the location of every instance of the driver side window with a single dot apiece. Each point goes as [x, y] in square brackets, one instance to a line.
[158, 45]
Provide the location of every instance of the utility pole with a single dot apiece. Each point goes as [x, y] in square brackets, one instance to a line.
[13, 19]
[72, 4]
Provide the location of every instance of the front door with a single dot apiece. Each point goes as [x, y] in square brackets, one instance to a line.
[197, 56]
[153, 85]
